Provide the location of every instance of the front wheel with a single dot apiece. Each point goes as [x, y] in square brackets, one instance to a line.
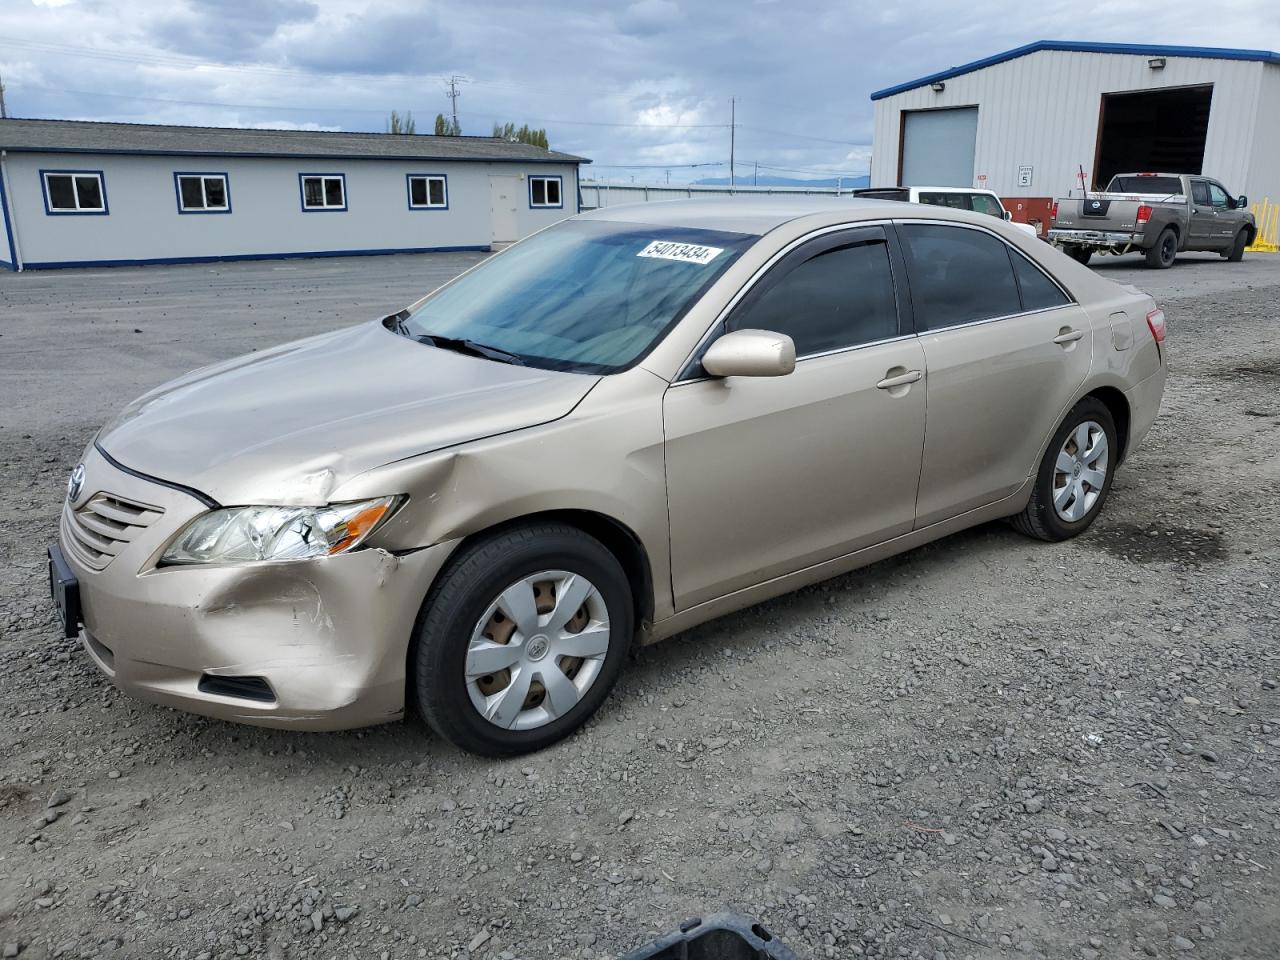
[1075, 475]
[521, 639]
[1236, 253]
[1165, 250]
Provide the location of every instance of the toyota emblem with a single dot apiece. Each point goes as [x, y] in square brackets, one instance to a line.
[75, 483]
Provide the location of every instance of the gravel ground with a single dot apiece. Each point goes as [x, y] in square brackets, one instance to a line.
[987, 747]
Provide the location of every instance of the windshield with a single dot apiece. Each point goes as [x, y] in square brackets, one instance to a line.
[586, 295]
[1165, 186]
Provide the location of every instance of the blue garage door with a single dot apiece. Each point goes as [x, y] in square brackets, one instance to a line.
[938, 147]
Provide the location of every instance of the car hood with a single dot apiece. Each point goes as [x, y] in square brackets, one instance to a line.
[288, 425]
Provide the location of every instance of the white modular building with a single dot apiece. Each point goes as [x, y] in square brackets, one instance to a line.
[1027, 122]
[76, 193]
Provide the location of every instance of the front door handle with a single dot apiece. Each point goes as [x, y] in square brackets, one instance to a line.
[1068, 336]
[900, 380]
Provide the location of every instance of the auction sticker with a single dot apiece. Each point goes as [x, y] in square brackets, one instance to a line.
[684, 252]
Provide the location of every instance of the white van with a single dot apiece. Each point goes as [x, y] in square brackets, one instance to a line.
[960, 198]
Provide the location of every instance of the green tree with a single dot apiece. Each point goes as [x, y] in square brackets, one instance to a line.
[446, 127]
[399, 124]
[521, 134]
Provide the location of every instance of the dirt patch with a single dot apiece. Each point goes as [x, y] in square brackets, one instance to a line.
[1160, 543]
[12, 795]
[1265, 373]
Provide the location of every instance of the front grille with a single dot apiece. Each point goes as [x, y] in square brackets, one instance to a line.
[102, 526]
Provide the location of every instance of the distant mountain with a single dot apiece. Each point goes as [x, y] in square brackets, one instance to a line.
[771, 181]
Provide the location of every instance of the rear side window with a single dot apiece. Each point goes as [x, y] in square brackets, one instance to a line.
[1200, 192]
[957, 201]
[957, 275]
[838, 298]
[1038, 291]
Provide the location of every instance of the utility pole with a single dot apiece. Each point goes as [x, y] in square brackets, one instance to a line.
[453, 93]
[755, 175]
[733, 130]
[4, 114]
[668, 178]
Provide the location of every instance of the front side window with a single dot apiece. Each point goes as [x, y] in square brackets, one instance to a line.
[545, 192]
[1218, 197]
[324, 191]
[589, 296]
[203, 193]
[985, 203]
[74, 191]
[428, 191]
[958, 275]
[840, 297]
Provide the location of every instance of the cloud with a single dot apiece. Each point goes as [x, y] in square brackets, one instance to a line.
[230, 31]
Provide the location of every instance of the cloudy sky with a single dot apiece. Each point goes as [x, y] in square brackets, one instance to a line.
[641, 87]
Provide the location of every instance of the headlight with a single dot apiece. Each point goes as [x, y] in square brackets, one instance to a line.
[245, 534]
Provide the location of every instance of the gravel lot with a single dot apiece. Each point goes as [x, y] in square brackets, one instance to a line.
[988, 747]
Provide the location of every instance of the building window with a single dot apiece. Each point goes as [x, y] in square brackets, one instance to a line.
[323, 191]
[74, 191]
[428, 191]
[202, 193]
[545, 192]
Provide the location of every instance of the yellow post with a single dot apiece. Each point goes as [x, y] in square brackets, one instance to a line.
[1266, 215]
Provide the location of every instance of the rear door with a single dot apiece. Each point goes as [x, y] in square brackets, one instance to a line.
[1203, 227]
[1005, 349]
[769, 475]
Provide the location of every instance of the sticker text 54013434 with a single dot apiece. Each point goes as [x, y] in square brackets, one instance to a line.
[684, 252]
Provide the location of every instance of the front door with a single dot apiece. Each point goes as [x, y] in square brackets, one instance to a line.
[767, 476]
[1005, 350]
[1227, 217]
[504, 194]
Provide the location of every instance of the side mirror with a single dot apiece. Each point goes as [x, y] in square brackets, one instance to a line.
[750, 353]
[1243, 202]
[1008, 216]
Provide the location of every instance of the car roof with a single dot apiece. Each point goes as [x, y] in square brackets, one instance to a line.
[749, 214]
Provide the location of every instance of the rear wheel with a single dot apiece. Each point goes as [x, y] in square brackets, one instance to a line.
[1165, 251]
[1074, 476]
[1080, 254]
[522, 639]
[1236, 253]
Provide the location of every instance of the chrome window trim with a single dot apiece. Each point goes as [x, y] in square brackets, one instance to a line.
[888, 224]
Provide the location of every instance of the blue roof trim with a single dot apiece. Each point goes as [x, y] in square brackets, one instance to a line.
[1137, 49]
[233, 257]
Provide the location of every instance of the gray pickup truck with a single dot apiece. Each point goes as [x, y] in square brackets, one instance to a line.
[1157, 214]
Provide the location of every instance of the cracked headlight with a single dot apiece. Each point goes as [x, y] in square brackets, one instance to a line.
[247, 534]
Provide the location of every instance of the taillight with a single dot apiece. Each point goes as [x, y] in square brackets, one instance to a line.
[1155, 321]
[1144, 213]
[1053, 212]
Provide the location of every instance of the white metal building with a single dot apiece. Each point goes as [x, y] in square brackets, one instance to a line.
[106, 194]
[1023, 123]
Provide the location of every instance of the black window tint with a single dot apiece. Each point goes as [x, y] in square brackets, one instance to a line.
[61, 193]
[313, 192]
[1199, 191]
[437, 191]
[838, 298]
[553, 192]
[957, 201]
[192, 194]
[333, 192]
[1038, 291]
[418, 191]
[89, 190]
[957, 275]
[539, 191]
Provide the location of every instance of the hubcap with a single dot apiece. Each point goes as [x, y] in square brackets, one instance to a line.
[1080, 472]
[537, 650]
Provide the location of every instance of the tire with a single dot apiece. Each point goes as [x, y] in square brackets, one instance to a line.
[1165, 250]
[1080, 254]
[1236, 253]
[1042, 518]
[468, 591]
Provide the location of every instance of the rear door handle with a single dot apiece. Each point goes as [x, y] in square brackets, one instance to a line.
[901, 380]
[1068, 336]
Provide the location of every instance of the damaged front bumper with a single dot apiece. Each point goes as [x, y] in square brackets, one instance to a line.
[313, 644]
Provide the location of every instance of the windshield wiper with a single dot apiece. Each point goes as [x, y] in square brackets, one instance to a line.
[463, 345]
